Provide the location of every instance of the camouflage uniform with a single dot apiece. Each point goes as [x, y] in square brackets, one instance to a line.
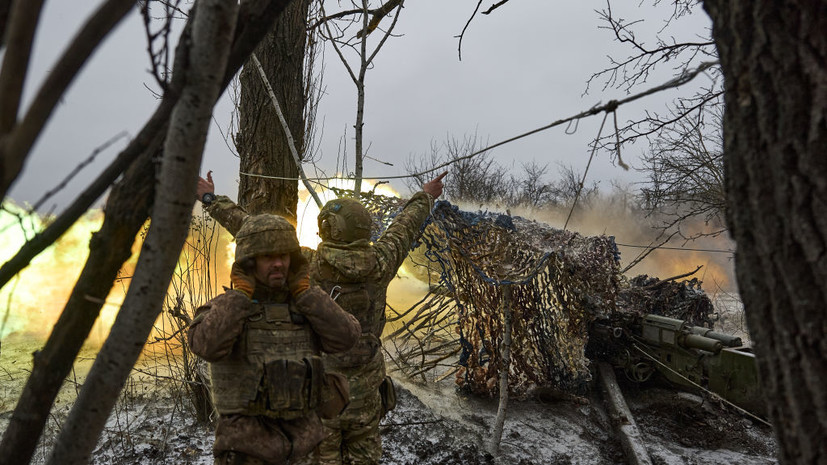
[268, 380]
[360, 273]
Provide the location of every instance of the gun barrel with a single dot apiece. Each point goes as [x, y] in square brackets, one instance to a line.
[661, 330]
[695, 341]
[726, 340]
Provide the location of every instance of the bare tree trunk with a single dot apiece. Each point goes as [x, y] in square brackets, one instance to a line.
[212, 35]
[775, 146]
[127, 209]
[359, 127]
[261, 142]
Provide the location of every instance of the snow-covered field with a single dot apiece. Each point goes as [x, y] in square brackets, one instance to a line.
[433, 424]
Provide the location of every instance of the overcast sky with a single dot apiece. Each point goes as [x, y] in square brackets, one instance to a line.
[522, 67]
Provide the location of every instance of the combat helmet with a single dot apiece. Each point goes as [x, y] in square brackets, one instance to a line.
[265, 234]
[344, 220]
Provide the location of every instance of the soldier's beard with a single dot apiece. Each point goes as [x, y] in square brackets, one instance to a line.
[276, 282]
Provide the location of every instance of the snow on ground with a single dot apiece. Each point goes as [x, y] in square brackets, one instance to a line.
[432, 424]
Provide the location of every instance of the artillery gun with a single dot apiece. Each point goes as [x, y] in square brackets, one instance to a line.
[691, 357]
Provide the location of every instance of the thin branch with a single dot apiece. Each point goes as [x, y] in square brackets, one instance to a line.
[77, 170]
[664, 281]
[646, 252]
[385, 37]
[377, 15]
[462, 34]
[586, 171]
[494, 7]
[339, 51]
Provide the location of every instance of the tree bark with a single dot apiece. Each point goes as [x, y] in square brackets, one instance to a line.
[774, 60]
[127, 209]
[212, 36]
[261, 141]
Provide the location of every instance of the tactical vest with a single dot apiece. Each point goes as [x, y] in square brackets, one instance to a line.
[274, 369]
[366, 301]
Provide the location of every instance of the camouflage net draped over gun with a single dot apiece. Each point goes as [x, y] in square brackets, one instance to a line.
[560, 282]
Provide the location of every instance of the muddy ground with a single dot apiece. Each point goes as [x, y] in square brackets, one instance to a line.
[432, 424]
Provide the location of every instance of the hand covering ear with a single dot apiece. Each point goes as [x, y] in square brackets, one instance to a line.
[298, 279]
[242, 281]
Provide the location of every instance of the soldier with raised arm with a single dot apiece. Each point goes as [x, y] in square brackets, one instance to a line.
[356, 272]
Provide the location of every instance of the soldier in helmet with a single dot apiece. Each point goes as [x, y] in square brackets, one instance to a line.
[263, 340]
[357, 273]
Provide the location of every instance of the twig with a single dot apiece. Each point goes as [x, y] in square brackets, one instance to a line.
[494, 7]
[77, 170]
[585, 172]
[462, 34]
[377, 16]
[664, 281]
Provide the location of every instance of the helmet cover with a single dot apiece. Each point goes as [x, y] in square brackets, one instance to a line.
[263, 235]
[344, 220]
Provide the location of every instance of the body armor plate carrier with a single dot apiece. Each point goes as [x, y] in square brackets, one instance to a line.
[274, 369]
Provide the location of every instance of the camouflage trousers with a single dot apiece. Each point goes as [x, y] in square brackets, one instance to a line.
[353, 437]
[259, 440]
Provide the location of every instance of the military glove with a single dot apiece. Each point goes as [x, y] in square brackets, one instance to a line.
[298, 280]
[242, 281]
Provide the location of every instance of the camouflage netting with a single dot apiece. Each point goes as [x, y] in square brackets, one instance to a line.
[560, 283]
[683, 300]
[560, 280]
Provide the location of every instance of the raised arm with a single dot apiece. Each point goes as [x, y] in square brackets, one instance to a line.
[220, 208]
[405, 228]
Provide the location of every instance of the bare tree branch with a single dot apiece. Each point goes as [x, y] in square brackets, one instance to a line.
[209, 48]
[290, 143]
[77, 170]
[494, 7]
[462, 34]
[24, 17]
[15, 146]
[377, 15]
